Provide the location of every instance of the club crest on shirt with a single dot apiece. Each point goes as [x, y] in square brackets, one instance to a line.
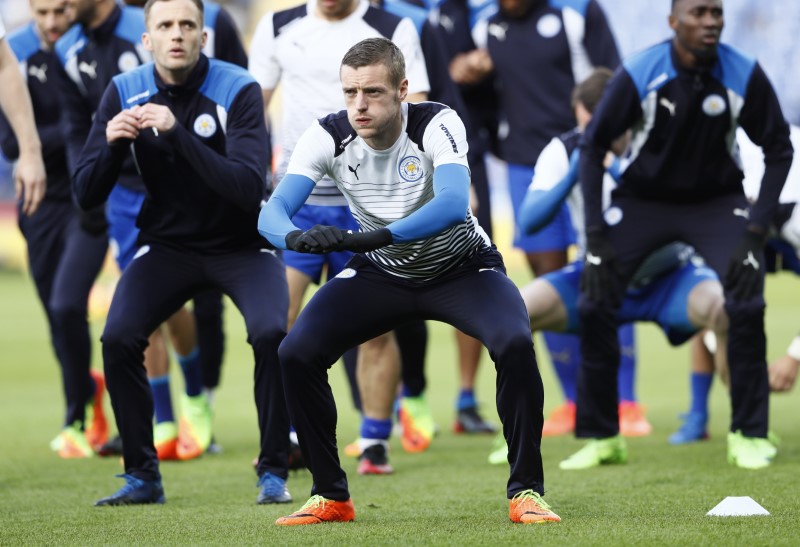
[549, 25]
[613, 215]
[347, 273]
[127, 61]
[714, 105]
[204, 125]
[410, 169]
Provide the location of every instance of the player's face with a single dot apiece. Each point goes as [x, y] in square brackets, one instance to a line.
[373, 104]
[175, 35]
[698, 25]
[52, 19]
[333, 10]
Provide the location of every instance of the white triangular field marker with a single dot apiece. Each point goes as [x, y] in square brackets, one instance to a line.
[737, 506]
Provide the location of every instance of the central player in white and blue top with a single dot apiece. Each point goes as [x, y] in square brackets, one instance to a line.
[422, 255]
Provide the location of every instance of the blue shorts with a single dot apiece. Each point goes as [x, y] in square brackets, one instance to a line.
[122, 209]
[781, 255]
[556, 236]
[664, 301]
[312, 264]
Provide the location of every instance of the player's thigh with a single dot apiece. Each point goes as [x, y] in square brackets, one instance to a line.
[156, 283]
[359, 304]
[554, 305]
[80, 263]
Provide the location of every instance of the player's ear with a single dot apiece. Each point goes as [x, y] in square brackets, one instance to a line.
[146, 42]
[403, 90]
[204, 40]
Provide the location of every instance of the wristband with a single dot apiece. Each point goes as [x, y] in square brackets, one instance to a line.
[794, 349]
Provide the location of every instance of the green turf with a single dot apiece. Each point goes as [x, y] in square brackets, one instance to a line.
[448, 495]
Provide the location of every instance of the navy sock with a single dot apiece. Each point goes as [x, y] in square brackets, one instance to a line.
[162, 400]
[627, 363]
[565, 353]
[192, 374]
[466, 399]
[700, 388]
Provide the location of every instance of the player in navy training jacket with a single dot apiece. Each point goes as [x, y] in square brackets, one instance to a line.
[681, 180]
[196, 130]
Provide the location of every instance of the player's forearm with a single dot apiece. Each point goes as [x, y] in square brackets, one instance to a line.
[447, 208]
[540, 206]
[16, 103]
[236, 181]
[275, 218]
[591, 177]
[97, 172]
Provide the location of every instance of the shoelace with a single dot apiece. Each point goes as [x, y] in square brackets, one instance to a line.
[530, 495]
[315, 501]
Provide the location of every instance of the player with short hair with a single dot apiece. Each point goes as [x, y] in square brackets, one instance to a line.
[66, 248]
[683, 100]
[196, 129]
[420, 255]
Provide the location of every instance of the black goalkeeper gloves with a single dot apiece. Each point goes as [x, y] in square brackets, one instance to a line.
[599, 265]
[745, 268]
[325, 239]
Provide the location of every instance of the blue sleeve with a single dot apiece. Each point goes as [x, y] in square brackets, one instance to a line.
[540, 207]
[275, 218]
[447, 208]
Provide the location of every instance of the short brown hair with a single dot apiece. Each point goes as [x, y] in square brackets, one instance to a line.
[149, 4]
[373, 51]
[590, 91]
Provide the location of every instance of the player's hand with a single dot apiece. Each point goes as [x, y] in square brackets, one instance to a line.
[155, 116]
[364, 242]
[30, 181]
[783, 373]
[317, 240]
[599, 266]
[745, 268]
[124, 126]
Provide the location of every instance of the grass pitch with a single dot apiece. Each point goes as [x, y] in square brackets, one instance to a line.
[446, 496]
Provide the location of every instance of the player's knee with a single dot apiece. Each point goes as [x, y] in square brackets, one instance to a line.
[121, 342]
[64, 313]
[510, 342]
[266, 340]
[745, 311]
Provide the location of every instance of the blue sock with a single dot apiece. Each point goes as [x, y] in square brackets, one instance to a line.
[701, 387]
[627, 364]
[466, 399]
[376, 429]
[565, 353]
[192, 375]
[410, 393]
[162, 400]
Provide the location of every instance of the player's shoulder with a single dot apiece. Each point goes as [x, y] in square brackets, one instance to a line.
[733, 68]
[136, 86]
[652, 68]
[224, 82]
[420, 116]
[70, 44]
[338, 127]
[282, 19]
[24, 42]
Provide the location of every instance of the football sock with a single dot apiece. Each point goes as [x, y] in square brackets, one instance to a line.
[162, 400]
[627, 363]
[375, 430]
[700, 388]
[565, 353]
[192, 375]
[466, 399]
